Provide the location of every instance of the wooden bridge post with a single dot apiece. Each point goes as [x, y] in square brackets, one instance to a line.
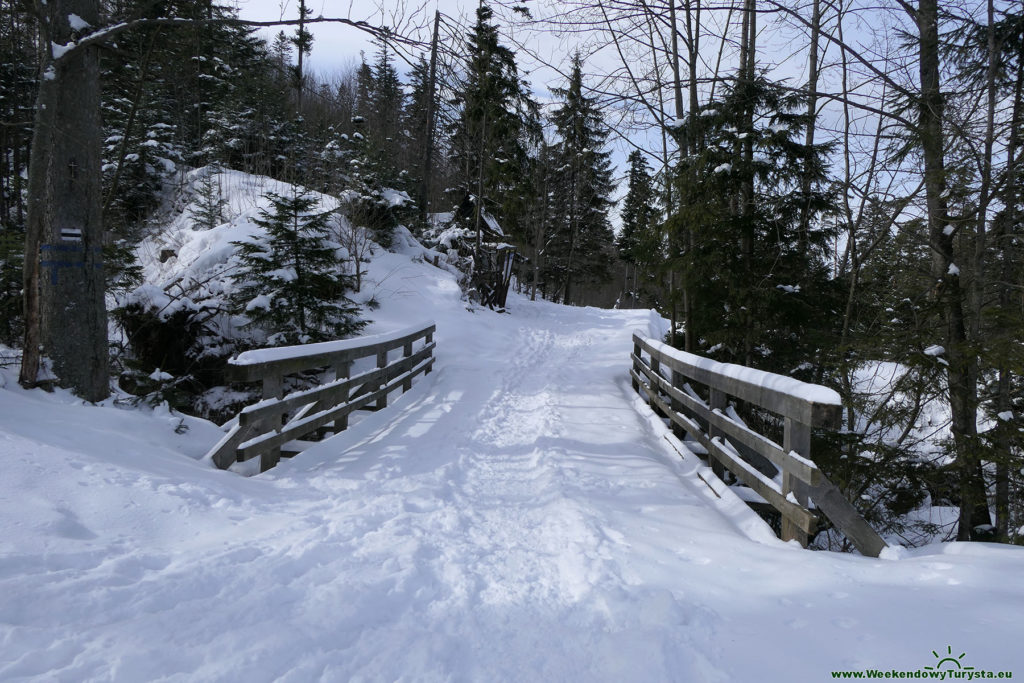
[427, 341]
[636, 364]
[717, 400]
[382, 362]
[342, 370]
[796, 437]
[678, 380]
[653, 387]
[406, 352]
[273, 387]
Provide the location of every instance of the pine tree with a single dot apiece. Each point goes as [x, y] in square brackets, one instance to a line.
[364, 91]
[639, 243]
[382, 126]
[291, 286]
[303, 42]
[581, 245]
[369, 200]
[12, 257]
[17, 98]
[209, 209]
[416, 131]
[760, 288]
[497, 124]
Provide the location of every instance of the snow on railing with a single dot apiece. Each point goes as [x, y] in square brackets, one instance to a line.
[261, 429]
[802, 492]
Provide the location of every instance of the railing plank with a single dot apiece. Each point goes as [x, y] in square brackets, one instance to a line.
[831, 501]
[223, 452]
[764, 487]
[257, 445]
[292, 359]
[333, 391]
[802, 468]
[810, 404]
[794, 514]
[802, 406]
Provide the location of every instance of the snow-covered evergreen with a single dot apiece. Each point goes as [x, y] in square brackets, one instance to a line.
[290, 284]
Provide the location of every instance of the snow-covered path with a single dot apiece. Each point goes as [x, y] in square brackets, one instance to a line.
[514, 517]
[485, 548]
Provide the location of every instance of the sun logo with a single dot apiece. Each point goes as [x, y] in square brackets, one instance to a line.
[950, 659]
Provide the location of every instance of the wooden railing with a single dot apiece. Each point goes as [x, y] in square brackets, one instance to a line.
[785, 476]
[261, 430]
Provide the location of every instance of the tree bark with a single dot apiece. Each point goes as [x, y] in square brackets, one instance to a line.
[694, 142]
[65, 311]
[428, 155]
[674, 239]
[747, 73]
[948, 291]
[1010, 259]
[812, 104]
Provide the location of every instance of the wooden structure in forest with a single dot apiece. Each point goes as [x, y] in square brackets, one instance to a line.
[694, 395]
[267, 428]
[493, 280]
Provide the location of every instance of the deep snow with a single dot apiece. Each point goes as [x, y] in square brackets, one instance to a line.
[518, 516]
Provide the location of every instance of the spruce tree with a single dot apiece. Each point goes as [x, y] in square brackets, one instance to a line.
[639, 243]
[291, 285]
[760, 288]
[382, 127]
[497, 125]
[416, 131]
[12, 258]
[209, 208]
[581, 246]
[364, 91]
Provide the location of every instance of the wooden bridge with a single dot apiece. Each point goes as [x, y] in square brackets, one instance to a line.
[274, 426]
[694, 393]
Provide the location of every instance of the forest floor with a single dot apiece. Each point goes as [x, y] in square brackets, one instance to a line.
[517, 516]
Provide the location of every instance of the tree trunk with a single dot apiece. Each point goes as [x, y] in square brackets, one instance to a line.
[747, 72]
[300, 77]
[428, 155]
[812, 104]
[962, 390]
[694, 141]
[65, 311]
[1010, 260]
[674, 241]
